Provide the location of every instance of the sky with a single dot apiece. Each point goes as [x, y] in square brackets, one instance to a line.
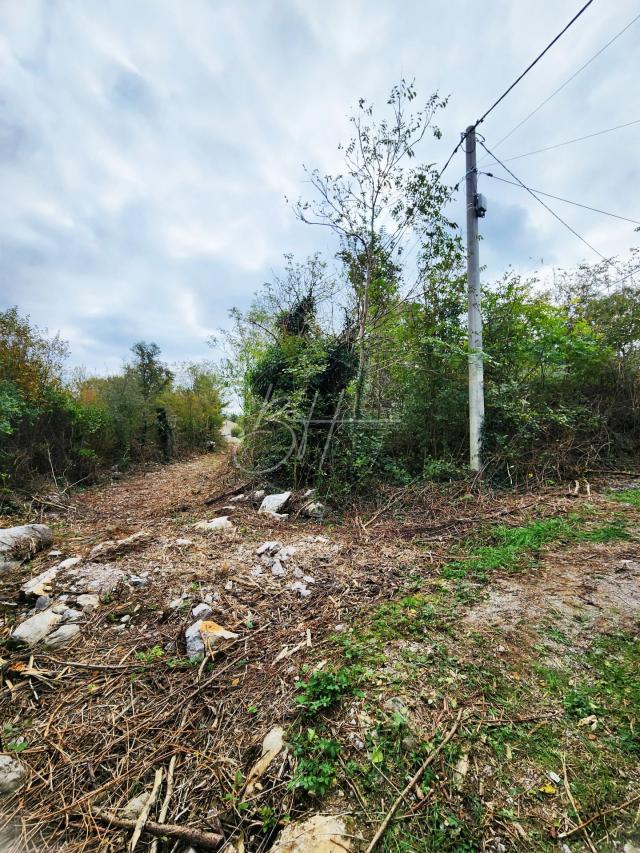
[147, 146]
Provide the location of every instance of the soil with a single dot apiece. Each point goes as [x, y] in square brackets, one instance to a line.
[122, 701]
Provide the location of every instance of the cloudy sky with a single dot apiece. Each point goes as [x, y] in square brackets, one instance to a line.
[146, 146]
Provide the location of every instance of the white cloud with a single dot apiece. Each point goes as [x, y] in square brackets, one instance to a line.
[145, 148]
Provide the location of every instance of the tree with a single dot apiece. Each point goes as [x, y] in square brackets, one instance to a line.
[377, 204]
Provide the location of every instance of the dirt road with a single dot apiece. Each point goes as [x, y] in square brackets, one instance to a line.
[360, 638]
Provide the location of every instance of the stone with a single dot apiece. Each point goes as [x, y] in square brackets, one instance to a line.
[258, 494]
[18, 544]
[216, 524]
[12, 774]
[41, 584]
[272, 504]
[118, 547]
[42, 602]
[97, 578]
[137, 581]
[301, 589]
[207, 636]
[318, 834]
[277, 570]
[237, 498]
[315, 509]
[286, 552]
[201, 611]
[184, 543]
[88, 602]
[55, 553]
[61, 636]
[268, 548]
[36, 627]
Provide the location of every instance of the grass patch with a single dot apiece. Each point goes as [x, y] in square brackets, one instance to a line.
[327, 687]
[513, 549]
[628, 496]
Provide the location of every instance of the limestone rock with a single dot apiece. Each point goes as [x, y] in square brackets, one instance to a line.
[36, 627]
[268, 548]
[41, 584]
[318, 834]
[216, 524]
[205, 636]
[12, 774]
[93, 578]
[88, 602]
[201, 611]
[61, 636]
[272, 504]
[19, 543]
[315, 509]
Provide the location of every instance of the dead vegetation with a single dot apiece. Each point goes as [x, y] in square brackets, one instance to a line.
[405, 633]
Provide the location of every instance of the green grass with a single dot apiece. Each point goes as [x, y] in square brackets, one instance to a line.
[628, 496]
[512, 549]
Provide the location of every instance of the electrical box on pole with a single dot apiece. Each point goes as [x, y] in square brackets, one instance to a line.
[476, 208]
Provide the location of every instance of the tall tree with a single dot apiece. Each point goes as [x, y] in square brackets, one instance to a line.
[377, 205]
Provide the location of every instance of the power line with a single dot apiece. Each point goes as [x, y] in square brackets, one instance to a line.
[571, 141]
[566, 200]
[566, 82]
[544, 204]
[518, 79]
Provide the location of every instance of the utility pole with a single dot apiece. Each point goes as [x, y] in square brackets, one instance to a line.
[475, 209]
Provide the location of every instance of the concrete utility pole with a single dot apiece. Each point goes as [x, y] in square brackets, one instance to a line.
[475, 208]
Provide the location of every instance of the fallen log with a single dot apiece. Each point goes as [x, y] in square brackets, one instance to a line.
[19, 543]
[194, 837]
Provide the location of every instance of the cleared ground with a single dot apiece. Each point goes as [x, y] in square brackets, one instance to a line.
[509, 620]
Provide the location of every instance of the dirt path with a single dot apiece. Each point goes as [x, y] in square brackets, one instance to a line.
[521, 610]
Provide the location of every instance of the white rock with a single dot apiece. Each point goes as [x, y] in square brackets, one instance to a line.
[183, 543]
[317, 834]
[286, 552]
[300, 588]
[36, 627]
[216, 524]
[272, 504]
[88, 602]
[315, 509]
[258, 494]
[12, 774]
[96, 578]
[201, 611]
[268, 548]
[277, 570]
[61, 636]
[237, 498]
[19, 543]
[55, 553]
[209, 636]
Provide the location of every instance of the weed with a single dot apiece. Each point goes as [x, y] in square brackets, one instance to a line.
[317, 762]
[150, 655]
[325, 688]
